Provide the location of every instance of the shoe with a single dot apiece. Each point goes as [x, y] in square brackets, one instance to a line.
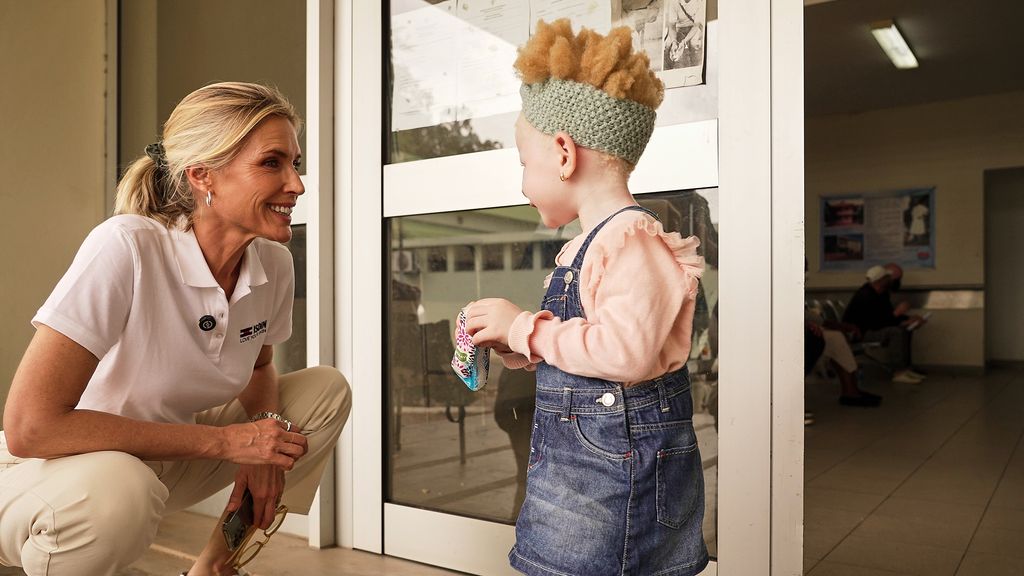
[905, 377]
[865, 400]
[808, 418]
[916, 374]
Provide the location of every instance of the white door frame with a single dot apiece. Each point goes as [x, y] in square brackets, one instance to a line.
[788, 239]
[358, 53]
[761, 441]
[318, 216]
[760, 178]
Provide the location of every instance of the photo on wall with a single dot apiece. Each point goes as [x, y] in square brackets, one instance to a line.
[671, 32]
[916, 221]
[844, 213]
[645, 20]
[861, 230]
[684, 34]
[844, 248]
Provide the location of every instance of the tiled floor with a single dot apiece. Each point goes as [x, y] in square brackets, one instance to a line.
[931, 483]
[182, 536]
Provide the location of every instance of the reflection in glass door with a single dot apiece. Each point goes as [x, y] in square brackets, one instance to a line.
[427, 505]
[465, 453]
[454, 461]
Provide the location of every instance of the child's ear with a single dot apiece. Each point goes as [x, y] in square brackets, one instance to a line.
[566, 148]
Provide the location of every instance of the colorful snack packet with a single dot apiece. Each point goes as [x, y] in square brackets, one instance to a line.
[470, 362]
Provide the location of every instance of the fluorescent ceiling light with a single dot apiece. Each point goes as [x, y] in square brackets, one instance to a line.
[892, 42]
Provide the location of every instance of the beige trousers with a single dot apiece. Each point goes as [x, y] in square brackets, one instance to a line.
[838, 349]
[94, 514]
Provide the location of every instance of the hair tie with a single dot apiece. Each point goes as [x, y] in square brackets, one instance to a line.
[157, 154]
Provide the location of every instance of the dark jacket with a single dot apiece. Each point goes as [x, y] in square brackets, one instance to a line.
[869, 310]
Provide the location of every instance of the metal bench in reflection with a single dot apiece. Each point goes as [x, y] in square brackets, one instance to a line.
[422, 376]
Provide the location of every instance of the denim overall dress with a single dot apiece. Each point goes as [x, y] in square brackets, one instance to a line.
[615, 484]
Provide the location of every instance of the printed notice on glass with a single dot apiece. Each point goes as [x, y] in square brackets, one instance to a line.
[488, 42]
[671, 32]
[452, 60]
[860, 231]
[424, 42]
[593, 14]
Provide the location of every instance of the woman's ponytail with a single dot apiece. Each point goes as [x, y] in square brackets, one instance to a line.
[144, 190]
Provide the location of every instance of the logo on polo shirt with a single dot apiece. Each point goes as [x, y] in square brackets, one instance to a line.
[246, 334]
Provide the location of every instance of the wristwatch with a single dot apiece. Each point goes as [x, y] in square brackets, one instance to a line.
[275, 416]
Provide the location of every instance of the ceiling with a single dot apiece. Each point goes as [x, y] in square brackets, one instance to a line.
[964, 48]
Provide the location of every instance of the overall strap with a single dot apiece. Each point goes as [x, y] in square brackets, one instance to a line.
[577, 262]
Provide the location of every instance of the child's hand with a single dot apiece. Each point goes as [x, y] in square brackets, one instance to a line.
[489, 320]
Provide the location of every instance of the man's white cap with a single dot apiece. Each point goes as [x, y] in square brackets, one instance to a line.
[876, 273]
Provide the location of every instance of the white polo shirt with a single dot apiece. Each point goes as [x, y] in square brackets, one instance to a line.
[135, 296]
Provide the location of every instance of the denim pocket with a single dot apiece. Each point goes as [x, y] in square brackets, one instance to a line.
[679, 477]
[604, 434]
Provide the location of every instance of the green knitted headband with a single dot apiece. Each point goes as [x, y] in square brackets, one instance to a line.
[593, 118]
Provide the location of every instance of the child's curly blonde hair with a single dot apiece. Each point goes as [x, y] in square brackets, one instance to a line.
[607, 63]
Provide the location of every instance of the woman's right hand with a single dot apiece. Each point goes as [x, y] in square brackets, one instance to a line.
[263, 442]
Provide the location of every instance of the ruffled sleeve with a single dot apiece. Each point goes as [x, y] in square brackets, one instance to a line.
[637, 287]
[684, 251]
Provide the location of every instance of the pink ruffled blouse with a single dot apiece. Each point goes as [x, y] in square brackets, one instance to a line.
[638, 286]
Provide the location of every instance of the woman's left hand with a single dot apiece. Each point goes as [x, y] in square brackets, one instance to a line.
[266, 484]
[489, 320]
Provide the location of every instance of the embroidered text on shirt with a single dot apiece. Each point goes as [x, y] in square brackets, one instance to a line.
[246, 334]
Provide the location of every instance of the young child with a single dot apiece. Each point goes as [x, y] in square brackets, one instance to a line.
[615, 484]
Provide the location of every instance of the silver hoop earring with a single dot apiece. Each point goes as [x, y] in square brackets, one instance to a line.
[209, 198]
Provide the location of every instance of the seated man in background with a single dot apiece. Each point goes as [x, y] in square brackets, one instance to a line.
[872, 311]
[840, 359]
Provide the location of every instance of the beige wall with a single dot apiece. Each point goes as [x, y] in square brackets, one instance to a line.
[51, 152]
[948, 145]
[248, 40]
[139, 124]
[169, 49]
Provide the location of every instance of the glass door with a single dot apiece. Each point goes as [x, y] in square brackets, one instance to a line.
[437, 470]
[456, 229]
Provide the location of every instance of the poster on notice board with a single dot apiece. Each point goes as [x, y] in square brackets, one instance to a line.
[861, 230]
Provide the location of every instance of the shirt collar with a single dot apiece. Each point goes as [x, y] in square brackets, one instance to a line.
[251, 274]
[195, 272]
